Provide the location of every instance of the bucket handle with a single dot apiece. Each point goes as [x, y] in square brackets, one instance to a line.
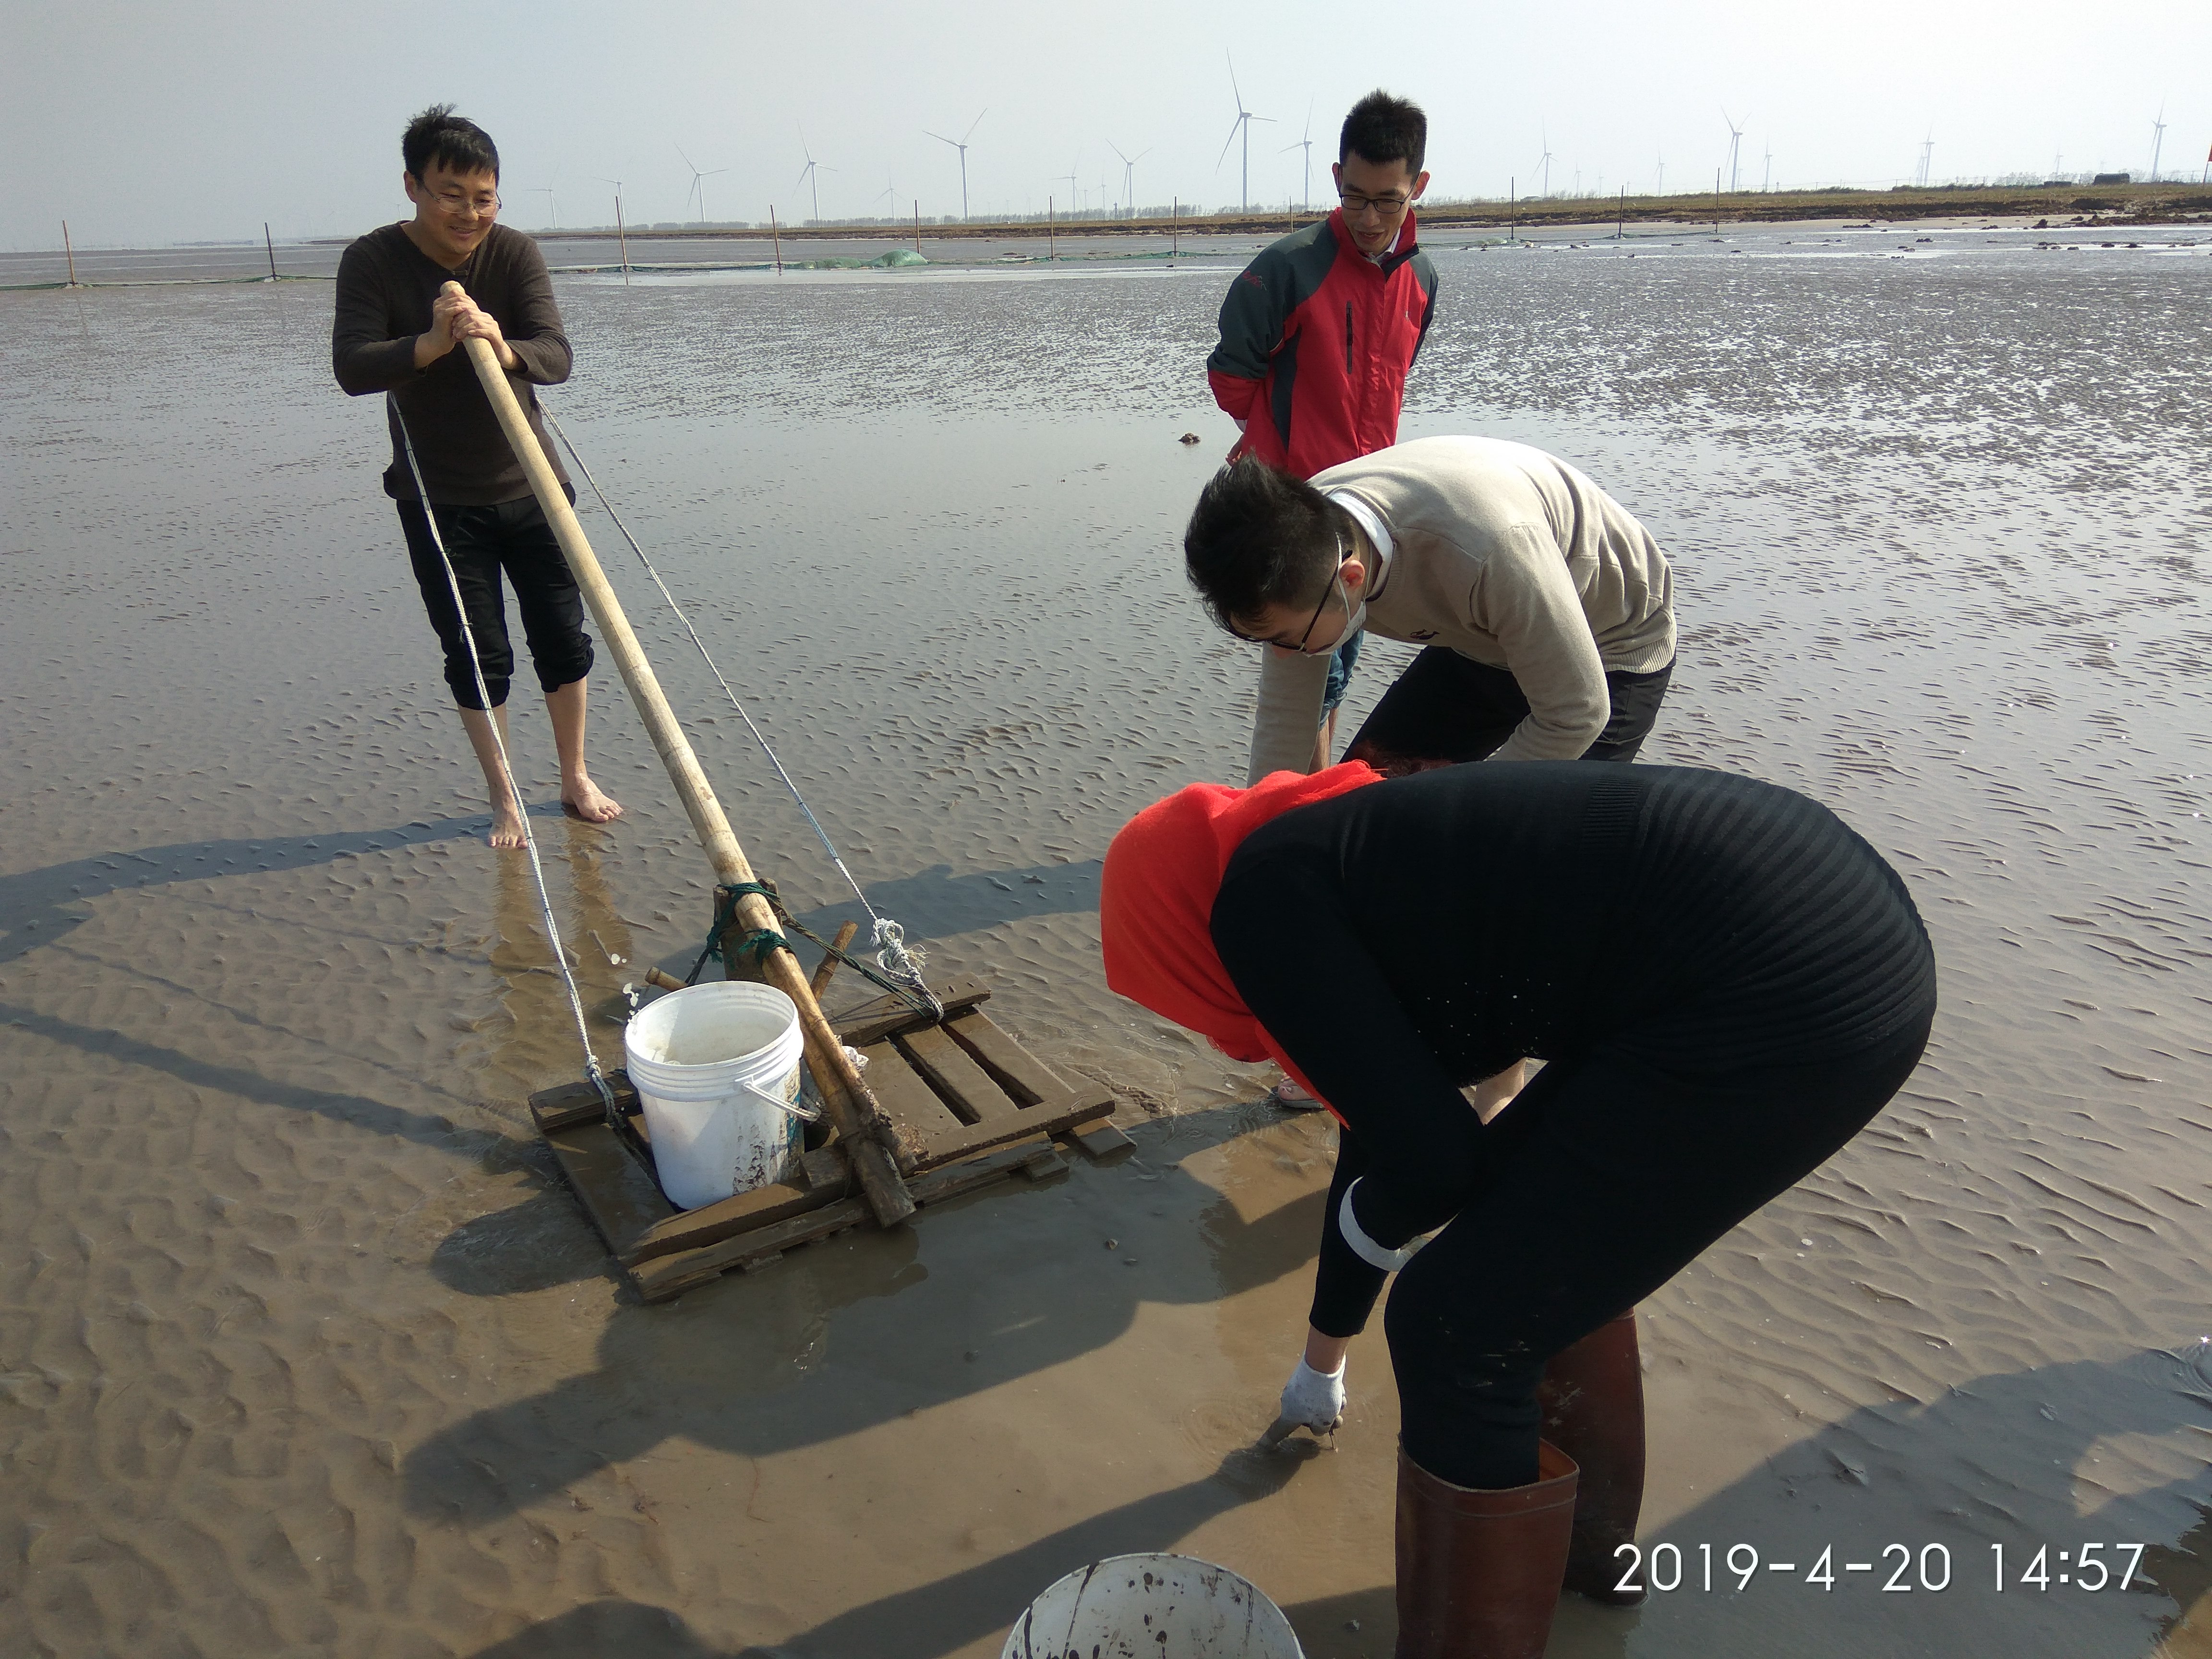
[805, 1114]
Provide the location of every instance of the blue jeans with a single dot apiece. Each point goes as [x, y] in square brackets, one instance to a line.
[1340, 675]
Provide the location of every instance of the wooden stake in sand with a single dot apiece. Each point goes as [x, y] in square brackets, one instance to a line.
[621, 238]
[71, 252]
[852, 1109]
[776, 237]
[917, 228]
[1051, 238]
[270, 242]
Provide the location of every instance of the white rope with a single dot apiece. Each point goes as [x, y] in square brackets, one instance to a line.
[507, 770]
[893, 954]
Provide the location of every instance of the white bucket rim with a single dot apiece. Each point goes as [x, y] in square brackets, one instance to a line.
[1262, 1604]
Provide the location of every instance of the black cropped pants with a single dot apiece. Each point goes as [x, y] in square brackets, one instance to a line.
[1616, 1172]
[513, 539]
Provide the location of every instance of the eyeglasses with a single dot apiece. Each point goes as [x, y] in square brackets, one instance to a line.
[1314, 621]
[466, 206]
[1386, 207]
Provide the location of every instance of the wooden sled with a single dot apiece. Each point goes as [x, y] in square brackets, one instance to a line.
[968, 1105]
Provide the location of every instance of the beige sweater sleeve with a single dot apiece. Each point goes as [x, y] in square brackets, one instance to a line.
[1526, 600]
[1292, 687]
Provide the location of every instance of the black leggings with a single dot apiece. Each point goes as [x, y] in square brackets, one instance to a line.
[1616, 1172]
[512, 538]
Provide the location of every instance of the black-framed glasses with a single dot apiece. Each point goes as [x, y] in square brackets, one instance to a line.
[1313, 622]
[1386, 206]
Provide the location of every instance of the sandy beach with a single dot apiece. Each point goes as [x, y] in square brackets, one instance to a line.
[304, 1347]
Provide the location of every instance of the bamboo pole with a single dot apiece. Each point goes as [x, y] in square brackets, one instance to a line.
[622, 236]
[270, 242]
[861, 1124]
[70, 249]
[1051, 237]
[776, 237]
[827, 966]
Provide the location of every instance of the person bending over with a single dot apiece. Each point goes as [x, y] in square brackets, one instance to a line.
[395, 332]
[1319, 332]
[1545, 611]
[1726, 982]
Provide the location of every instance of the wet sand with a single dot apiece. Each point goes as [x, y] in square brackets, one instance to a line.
[303, 1348]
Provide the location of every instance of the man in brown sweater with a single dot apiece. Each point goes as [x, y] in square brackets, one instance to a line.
[397, 333]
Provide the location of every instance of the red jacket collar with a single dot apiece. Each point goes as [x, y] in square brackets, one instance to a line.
[1408, 241]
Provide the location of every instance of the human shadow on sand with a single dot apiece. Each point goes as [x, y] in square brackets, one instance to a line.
[2011, 1458]
[37, 906]
[934, 903]
[863, 1329]
[936, 1617]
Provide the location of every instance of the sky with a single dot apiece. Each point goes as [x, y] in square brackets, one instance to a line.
[143, 123]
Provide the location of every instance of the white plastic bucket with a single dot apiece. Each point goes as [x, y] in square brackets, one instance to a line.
[717, 1069]
[1158, 1607]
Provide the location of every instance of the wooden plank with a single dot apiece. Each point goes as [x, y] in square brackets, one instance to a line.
[671, 1275]
[827, 1167]
[617, 1191]
[952, 1072]
[1038, 1119]
[872, 1021]
[712, 1223]
[579, 1103]
[1011, 1066]
[914, 1109]
[1101, 1139]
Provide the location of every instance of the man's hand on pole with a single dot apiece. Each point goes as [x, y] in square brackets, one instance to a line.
[454, 317]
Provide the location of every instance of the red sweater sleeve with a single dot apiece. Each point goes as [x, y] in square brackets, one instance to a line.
[1233, 393]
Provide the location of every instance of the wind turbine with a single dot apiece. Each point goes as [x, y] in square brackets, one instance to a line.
[1073, 187]
[1306, 197]
[1927, 155]
[2157, 141]
[890, 189]
[1242, 123]
[698, 186]
[1661, 188]
[811, 174]
[1129, 173]
[1544, 161]
[1736, 145]
[960, 144]
[551, 200]
[1766, 179]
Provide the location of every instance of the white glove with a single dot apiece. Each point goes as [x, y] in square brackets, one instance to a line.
[1314, 1400]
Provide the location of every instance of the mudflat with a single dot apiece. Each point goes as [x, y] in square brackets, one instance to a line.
[303, 1348]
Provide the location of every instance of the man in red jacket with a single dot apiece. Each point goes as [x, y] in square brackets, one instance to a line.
[1318, 333]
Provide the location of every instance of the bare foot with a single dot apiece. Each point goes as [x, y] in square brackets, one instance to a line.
[585, 800]
[507, 827]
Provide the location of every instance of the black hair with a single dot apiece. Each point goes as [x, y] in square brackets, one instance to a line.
[1382, 129]
[452, 141]
[1260, 537]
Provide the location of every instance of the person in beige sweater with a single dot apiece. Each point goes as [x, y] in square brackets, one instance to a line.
[1545, 608]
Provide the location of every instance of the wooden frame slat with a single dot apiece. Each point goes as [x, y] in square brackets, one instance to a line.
[670, 1276]
[952, 1072]
[616, 1191]
[872, 1021]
